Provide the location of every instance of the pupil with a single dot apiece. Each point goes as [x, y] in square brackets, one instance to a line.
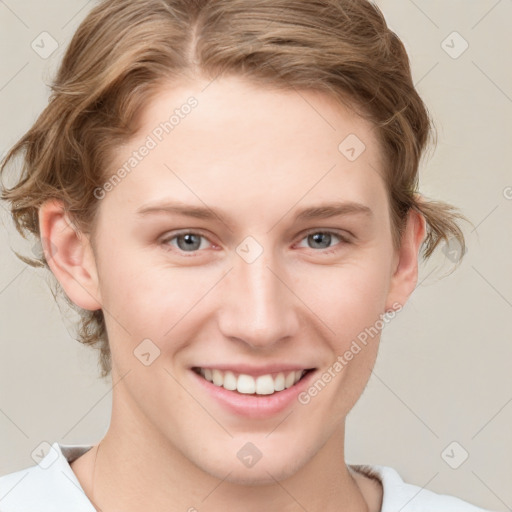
[189, 242]
[317, 238]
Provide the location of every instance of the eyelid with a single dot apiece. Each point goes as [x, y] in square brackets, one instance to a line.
[342, 234]
[171, 235]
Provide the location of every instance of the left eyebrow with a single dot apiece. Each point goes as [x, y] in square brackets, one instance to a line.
[332, 210]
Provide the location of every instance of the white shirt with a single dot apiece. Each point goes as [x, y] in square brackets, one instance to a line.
[51, 486]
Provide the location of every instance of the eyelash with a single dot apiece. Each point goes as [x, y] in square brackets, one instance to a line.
[343, 240]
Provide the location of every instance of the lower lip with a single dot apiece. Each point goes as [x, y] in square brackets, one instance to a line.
[254, 406]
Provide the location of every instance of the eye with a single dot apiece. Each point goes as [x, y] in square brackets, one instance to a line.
[191, 242]
[187, 241]
[323, 239]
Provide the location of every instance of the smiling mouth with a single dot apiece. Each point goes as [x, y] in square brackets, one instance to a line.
[268, 384]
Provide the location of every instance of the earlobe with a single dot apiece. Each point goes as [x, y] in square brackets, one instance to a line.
[69, 255]
[405, 275]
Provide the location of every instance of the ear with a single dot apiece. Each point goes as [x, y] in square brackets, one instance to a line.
[405, 275]
[69, 255]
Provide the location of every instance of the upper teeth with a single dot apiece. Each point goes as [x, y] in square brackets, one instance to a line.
[243, 383]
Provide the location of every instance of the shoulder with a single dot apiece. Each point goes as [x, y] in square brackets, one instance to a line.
[399, 495]
[47, 486]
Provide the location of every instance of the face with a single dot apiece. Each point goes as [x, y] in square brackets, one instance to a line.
[283, 260]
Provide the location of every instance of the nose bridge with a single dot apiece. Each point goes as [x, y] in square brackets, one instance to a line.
[258, 307]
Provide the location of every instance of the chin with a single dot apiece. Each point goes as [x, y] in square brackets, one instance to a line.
[254, 477]
[265, 471]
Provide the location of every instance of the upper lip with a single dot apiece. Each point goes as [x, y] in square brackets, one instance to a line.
[256, 371]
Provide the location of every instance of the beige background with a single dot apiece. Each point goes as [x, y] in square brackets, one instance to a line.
[443, 372]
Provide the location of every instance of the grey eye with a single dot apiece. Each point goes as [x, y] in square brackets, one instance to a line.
[320, 240]
[187, 242]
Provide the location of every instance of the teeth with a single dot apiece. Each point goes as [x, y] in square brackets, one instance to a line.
[218, 378]
[246, 384]
[279, 382]
[265, 385]
[230, 381]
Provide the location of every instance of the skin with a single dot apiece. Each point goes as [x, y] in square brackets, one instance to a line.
[260, 155]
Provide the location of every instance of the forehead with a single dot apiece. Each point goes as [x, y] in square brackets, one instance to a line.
[209, 138]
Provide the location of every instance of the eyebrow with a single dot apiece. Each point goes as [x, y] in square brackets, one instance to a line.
[322, 211]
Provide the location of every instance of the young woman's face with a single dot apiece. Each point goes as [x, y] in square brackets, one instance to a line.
[247, 281]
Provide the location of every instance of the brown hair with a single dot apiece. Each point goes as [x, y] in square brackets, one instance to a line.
[125, 50]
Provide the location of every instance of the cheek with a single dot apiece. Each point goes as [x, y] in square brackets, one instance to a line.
[351, 306]
[348, 297]
[149, 299]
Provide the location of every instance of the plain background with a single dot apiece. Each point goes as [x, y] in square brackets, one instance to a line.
[442, 385]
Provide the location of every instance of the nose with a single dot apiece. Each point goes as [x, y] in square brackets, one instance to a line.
[258, 305]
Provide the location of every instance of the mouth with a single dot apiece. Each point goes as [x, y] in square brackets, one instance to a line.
[255, 385]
